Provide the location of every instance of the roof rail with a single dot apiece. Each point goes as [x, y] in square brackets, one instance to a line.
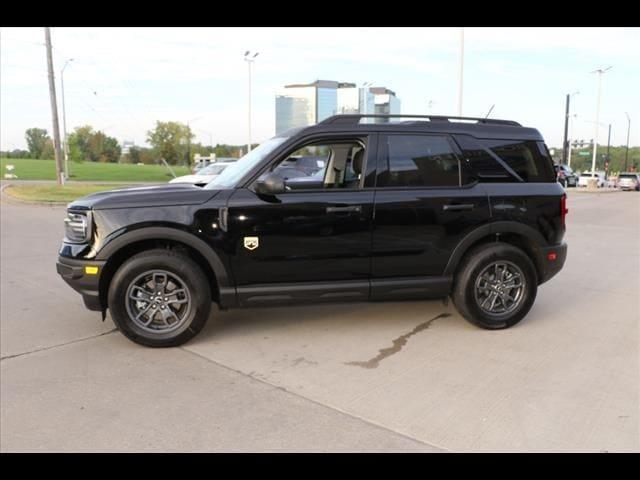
[355, 118]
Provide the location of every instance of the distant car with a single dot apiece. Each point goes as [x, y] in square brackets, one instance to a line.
[566, 176]
[629, 181]
[203, 175]
[583, 181]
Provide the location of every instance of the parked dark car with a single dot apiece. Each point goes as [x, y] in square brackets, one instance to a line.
[416, 207]
[566, 176]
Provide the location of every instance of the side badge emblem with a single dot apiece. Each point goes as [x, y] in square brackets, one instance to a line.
[251, 243]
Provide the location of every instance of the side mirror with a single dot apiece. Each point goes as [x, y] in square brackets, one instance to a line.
[272, 184]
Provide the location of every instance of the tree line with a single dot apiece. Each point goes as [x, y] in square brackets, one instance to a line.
[171, 141]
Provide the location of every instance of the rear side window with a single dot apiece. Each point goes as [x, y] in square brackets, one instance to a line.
[529, 159]
[479, 162]
[418, 161]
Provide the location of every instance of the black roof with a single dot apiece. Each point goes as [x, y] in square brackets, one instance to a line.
[476, 127]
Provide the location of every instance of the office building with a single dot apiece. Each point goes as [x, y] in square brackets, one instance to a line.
[299, 105]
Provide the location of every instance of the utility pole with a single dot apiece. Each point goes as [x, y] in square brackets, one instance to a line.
[249, 61]
[626, 155]
[54, 109]
[565, 144]
[600, 71]
[64, 122]
[608, 145]
[461, 72]
[566, 148]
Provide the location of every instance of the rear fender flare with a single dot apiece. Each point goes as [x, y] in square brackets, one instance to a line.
[491, 229]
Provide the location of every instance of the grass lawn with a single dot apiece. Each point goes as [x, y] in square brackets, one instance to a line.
[54, 193]
[30, 169]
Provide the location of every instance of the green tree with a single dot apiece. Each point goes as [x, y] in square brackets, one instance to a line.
[85, 144]
[36, 141]
[171, 141]
[48, 152]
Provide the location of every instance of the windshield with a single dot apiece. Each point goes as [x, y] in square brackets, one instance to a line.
[212, 170]
[233, 173]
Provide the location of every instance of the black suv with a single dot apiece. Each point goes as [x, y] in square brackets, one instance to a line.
[415, 207]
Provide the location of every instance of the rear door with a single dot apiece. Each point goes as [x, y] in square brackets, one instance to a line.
[423, 206]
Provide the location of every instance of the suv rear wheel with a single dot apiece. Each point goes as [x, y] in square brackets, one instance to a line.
[159, 298]
[496, 286]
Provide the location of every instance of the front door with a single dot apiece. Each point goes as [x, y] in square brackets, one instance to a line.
[314, 240]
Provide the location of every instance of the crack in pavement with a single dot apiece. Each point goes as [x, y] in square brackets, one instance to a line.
[7, 357]
[397, 345]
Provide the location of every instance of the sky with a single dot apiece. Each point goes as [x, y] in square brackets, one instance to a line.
[122, 80]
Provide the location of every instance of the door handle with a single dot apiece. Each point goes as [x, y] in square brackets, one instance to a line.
[350, 208]
[461, 206]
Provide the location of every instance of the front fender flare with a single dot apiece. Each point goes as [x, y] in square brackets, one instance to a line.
[226, 288]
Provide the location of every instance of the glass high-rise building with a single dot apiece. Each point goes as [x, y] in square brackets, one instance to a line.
[300, 105]
[305, 104]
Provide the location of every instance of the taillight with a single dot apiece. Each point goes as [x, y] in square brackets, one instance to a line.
[563, 209]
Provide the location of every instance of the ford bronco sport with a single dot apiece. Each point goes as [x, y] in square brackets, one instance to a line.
[401, 207]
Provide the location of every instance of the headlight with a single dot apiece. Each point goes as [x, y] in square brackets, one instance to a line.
[77, 227]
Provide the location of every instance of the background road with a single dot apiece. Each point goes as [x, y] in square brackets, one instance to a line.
[400, 376]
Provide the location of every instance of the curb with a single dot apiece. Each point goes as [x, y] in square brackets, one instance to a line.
[11, 199]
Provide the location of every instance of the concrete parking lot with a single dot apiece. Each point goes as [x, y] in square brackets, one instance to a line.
[400, 376]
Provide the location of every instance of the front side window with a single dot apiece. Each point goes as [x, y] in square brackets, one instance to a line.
[323, 165]
[418, 161]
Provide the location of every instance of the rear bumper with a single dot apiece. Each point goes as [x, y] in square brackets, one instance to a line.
[549, 265]
[86, 284]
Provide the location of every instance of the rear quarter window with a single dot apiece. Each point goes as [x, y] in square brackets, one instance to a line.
[529, 159]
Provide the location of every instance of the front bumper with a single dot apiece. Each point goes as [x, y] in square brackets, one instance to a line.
[550, 264]
[82, 280]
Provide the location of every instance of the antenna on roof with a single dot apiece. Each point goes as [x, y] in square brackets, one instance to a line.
[487, 115]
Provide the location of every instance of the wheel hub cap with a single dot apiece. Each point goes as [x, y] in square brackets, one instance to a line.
[499, 288]
[158, 301]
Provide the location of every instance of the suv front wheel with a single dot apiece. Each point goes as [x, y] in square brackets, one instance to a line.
[159, 298]
[496, 286]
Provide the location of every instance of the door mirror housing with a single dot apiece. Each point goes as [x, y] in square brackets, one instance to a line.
[272, 184]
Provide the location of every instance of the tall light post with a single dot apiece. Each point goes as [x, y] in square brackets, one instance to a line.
[626, 155]
[460, 80]
[65, 144]
[599, 71]
[249, 59]
[565, 145]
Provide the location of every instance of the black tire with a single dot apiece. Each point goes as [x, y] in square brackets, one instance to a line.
[179, 268]
[477, 261]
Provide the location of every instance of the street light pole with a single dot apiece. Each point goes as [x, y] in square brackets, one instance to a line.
[595, 138]
[64, 123]
[461, 72]
[249, 60]
[626, 155]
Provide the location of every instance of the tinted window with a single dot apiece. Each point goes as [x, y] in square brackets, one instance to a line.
[480, 164]
[529, 159]
[418, 161]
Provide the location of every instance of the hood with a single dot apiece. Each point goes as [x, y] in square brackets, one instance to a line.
[147, 196]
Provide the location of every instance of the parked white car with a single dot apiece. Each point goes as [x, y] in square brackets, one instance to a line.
[204, 175]
[584, 179]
